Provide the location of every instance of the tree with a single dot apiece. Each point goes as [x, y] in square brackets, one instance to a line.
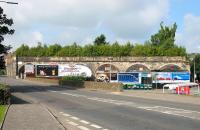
[165, 36]
[197, 66]
[5, 23]
[100, 40]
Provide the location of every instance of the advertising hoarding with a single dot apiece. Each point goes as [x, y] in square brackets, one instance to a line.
[170, 77]
[29, 69]
[74, 70]
[47, 70]
[128, 77]
[181, 77]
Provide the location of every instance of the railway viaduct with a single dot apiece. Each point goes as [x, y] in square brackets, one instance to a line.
[103, 64]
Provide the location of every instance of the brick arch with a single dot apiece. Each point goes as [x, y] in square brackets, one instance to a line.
[108, 64]
[171, 67]
[137, 65]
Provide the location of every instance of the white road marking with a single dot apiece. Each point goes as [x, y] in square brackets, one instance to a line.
[83, 128]
[75, 118]
[162, 109]
[73, 123]
[85, 122]
[96, 126]
[66, 114]
[53, 91]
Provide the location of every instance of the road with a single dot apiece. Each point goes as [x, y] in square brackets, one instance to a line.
[86, 109]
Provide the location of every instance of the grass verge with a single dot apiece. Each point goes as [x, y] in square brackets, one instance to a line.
[2, 112]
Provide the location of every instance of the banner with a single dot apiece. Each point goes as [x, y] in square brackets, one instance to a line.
[74, 70]
[181, 76]
[128, 77]
[29, 69]
[170, 77]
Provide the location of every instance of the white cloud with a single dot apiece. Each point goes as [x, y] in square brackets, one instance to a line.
[65, 21]
[37, 36]
[190, 37]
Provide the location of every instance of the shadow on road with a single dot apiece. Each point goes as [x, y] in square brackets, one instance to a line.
[16, 100]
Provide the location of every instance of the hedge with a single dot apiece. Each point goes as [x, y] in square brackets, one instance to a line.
[4, 94]
[72, 80]
[2, 72]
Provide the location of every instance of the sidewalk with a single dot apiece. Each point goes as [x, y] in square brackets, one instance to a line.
[158, 95]
[30, 117]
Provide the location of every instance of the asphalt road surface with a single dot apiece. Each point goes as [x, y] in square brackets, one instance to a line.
[87, 110]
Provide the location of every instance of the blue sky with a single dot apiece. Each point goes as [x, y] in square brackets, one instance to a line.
[68, 21]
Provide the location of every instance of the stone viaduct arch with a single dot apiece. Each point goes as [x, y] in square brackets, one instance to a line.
[123, 64]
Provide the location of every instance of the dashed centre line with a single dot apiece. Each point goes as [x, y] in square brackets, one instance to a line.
[161, 109]
[85, 122]
[96, 126]
[73, 123]
[75, 118]
[83, 128]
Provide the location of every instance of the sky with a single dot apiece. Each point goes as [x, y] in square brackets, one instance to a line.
[81, 21]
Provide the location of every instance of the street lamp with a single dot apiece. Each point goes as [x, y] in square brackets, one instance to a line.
[110, 59]
[8, 2]
[194, 75]
[194, 69]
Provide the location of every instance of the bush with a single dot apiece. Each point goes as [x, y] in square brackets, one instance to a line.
[72, 80]
[4, 94]
[2, 72]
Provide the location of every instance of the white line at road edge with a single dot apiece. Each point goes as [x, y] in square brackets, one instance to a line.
[81, 121]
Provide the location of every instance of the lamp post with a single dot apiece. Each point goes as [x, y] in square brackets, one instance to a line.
[110, 59]
[194, 75]
[194, 69]
[8, 2]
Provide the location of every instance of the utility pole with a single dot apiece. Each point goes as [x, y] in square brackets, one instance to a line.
[194, 69]
[110, 59]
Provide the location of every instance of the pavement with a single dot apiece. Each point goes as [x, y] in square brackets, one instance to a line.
[80, 109]
[30, 117]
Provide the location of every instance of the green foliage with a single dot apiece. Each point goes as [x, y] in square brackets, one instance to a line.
[2, 112]
[73, 78]
[5, 23]
[165, 36]
[100, 40]
[4, 94]
[2, 72]
[196, 59]
[160, 44]
[3, 86]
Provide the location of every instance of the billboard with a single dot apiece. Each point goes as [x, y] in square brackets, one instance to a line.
[180, 76]
[170, 77]
[29, 69]
[47, 70]
[128, 77]
[74, 70]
